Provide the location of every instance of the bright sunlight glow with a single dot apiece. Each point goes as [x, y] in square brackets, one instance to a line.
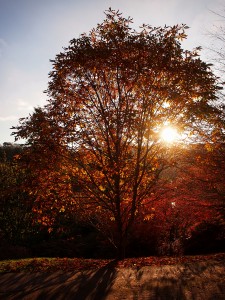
[169, 134]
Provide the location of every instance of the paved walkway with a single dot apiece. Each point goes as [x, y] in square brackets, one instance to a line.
[192, 281]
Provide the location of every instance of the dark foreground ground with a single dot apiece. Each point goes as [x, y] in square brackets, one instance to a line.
[203, 280]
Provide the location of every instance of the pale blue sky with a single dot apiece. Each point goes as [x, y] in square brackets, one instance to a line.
[34, 31]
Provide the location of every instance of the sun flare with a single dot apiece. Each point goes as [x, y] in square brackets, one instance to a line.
[169, 134]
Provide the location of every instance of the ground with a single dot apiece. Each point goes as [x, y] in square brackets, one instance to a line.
[170, 278]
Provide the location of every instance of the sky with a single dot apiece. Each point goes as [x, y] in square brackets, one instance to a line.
[34, 31]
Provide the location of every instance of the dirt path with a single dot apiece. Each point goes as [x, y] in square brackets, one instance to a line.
[194, 281]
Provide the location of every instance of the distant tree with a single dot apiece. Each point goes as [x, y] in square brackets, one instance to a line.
[187, 204]
[214, 162]
[15, 209]
[8, 151]
[15, 212]
[217, 35]
[211, 174]
[111, 93]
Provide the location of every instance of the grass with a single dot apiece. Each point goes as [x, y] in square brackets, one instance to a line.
[81, 264]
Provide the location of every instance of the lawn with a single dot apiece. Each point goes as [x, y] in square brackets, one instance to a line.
[81, 264]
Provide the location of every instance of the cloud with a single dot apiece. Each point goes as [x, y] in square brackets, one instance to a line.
[8, 118]
[3, 45]
[24, 105]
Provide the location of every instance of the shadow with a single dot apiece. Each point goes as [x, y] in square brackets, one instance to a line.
[93, 285]
[184, 281]
[189, 281]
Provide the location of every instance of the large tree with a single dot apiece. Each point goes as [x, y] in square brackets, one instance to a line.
[111, 92]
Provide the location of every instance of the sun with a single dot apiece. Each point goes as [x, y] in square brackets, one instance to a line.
[169, 134]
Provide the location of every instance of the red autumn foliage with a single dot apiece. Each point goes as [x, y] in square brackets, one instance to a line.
[100, 128]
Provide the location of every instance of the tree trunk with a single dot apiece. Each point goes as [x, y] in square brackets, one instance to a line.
[121, 248]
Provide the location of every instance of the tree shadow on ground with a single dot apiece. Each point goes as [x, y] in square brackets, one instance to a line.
[94, 285]
[192, 281]
[185, 281]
